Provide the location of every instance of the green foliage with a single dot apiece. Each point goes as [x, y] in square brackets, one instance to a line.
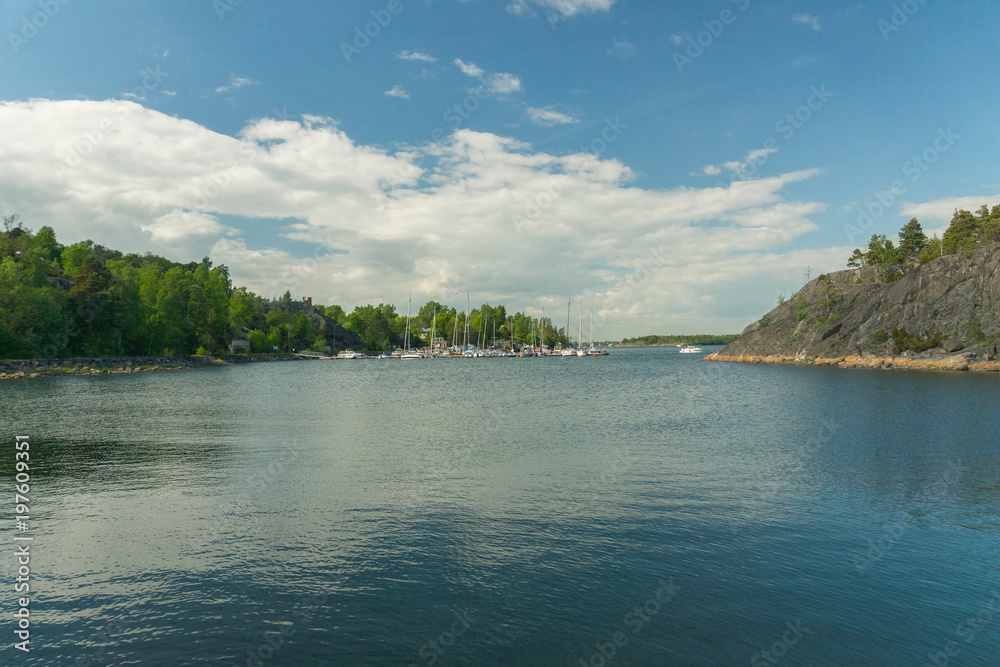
[931, 251]
[258, 341]
[912, 241]
[86, 299]
[906, 341]
[881, 336]
[801, 308]
[969, 231]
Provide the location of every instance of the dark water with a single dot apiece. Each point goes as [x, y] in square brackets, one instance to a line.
[639, 509]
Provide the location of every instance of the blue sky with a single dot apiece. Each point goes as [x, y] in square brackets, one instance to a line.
[676, 164]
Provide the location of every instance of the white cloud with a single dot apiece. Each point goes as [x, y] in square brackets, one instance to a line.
[398, 91]
[681, 259]
[469, 69]
[936, 215]
[809, 20]
[566, 8]
[501, 83]
[676, 40]
[235, 83]
[622, 48]
[168, 93]
[549, 116]
[745, 168]
[416, 55]
[504, 84]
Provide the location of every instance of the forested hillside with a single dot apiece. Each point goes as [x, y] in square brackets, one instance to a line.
[88, 300]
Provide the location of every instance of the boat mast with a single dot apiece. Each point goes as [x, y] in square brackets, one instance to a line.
[591, 324]
[542, 322]
[569, 341]
[434, 323]
[581, 322]
[406, 340]
[465, 343]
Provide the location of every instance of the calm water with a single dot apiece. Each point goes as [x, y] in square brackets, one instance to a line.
[645, 505]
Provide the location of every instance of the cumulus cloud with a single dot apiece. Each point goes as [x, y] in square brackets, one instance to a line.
[808, 20]
[469, 69]
[744, 168]
[398, 91]
[622, 49]
[936, 215]
[416, 55]
[501, 83]
[566, 8]
[235, 83]
[376, 224]
[549, 117]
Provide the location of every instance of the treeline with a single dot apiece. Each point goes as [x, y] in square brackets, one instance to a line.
[89, 300]
[966, 232]
[696, 339]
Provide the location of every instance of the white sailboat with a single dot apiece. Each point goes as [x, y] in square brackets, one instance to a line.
[568, 350]
[407, 352]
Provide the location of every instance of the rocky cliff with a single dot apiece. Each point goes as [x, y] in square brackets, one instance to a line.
[944, 314]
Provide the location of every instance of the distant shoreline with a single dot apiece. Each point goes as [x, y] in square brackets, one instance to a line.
[19, 369]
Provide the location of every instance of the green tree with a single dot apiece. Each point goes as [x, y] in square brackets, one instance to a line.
[72, 257]
[912, 241]
[94, 303]
[963, 234]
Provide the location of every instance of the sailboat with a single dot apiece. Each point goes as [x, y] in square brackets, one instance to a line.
[568, 350]
[407, 352]
[593, 351]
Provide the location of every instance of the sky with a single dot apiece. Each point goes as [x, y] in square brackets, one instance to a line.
[674, 166]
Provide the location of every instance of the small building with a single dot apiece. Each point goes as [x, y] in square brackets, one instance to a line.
[239, 344]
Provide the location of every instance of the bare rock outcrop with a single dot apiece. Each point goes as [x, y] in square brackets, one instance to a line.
[944, 314]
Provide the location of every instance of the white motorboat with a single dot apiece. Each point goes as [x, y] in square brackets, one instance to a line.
[690, 349]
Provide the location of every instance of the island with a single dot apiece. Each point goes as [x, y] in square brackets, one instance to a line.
[927, 304]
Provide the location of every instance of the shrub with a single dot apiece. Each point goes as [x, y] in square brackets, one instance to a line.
[907, 341]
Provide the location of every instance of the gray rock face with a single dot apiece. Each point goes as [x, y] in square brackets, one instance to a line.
[951, 303]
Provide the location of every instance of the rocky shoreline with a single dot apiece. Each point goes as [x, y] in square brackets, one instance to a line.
[942, 315]
[935, 362]
[16, 369]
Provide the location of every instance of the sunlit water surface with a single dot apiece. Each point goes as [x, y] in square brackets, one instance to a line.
[639, 509]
